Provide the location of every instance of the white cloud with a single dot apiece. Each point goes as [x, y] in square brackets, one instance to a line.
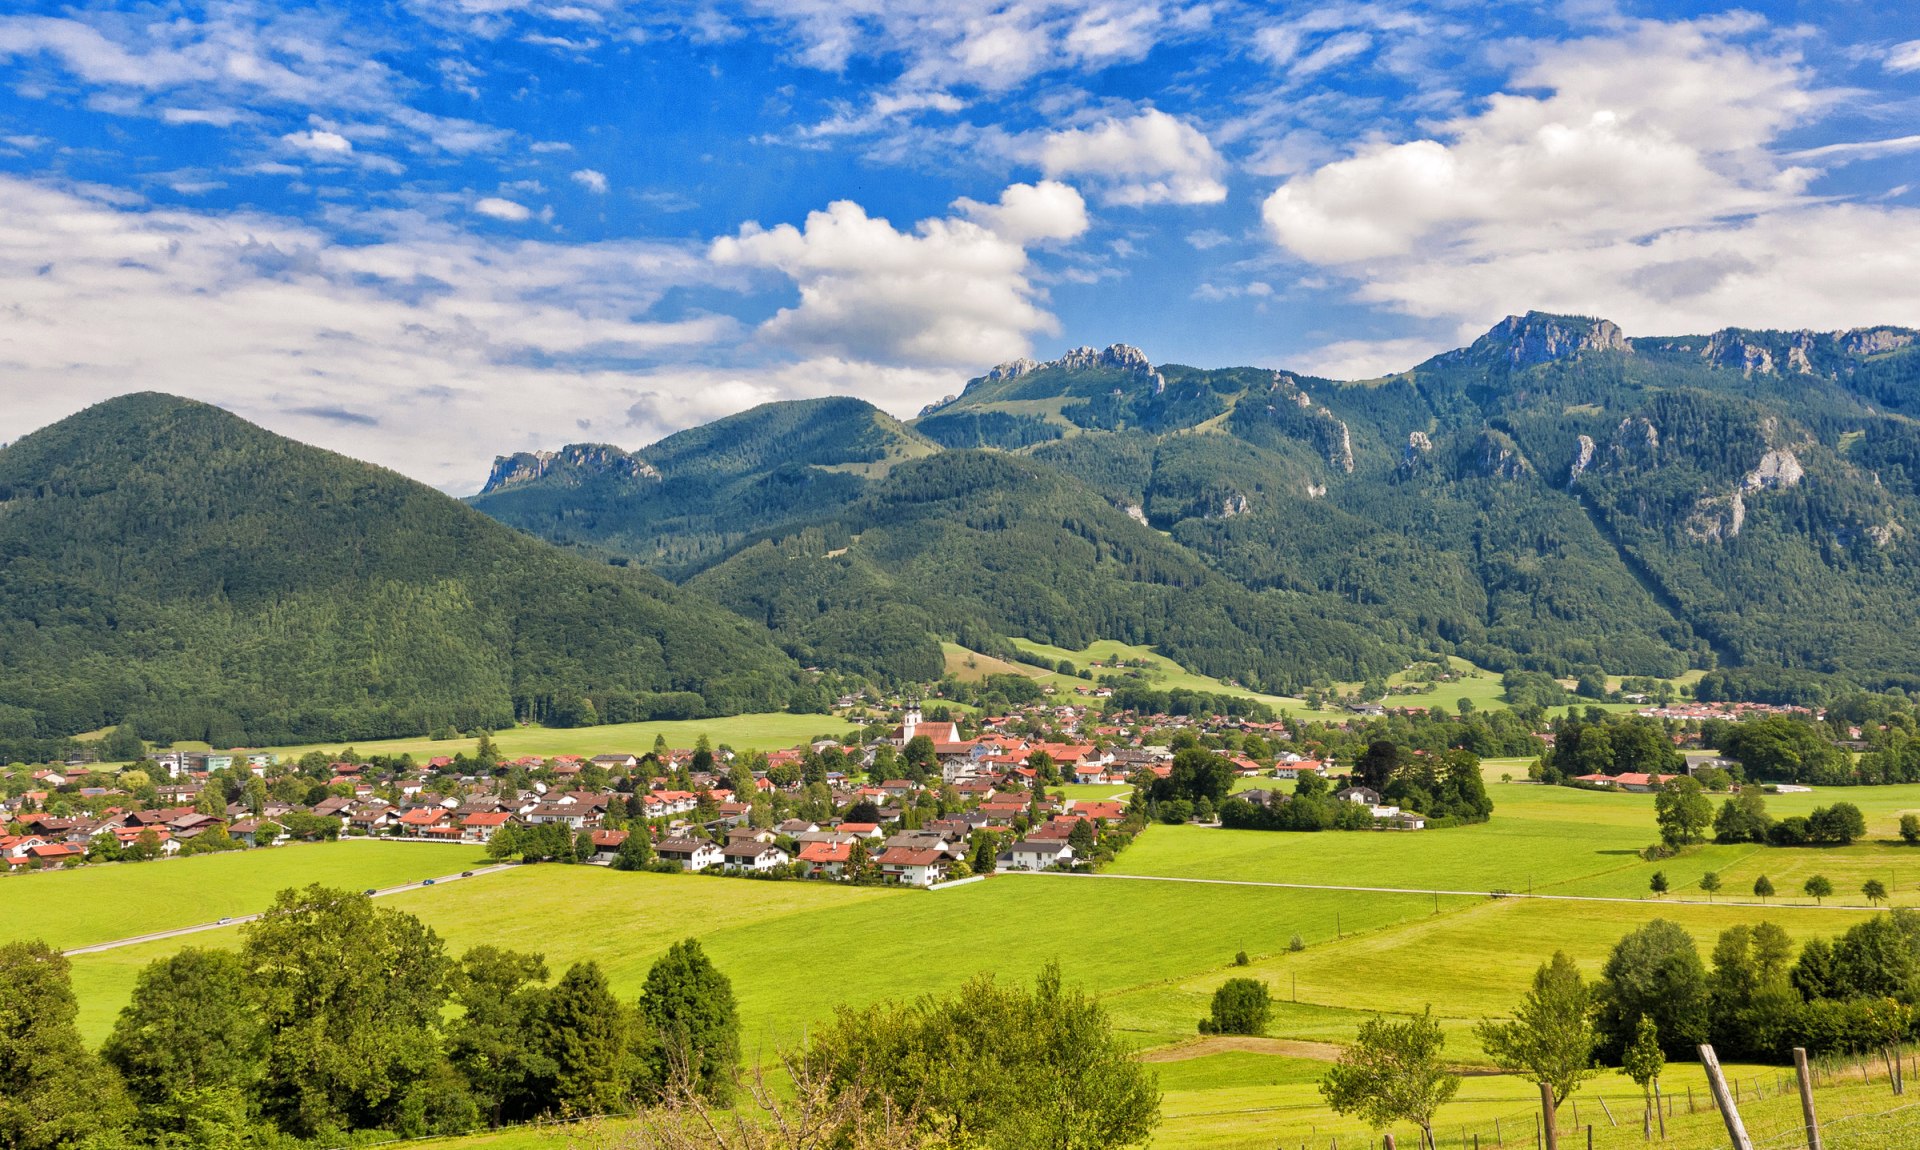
[989, 44]
[1150, 158]
[1641, 184]
[200, 70]
[1030, 212]
[1370, 358]
[1206, 239]
[952, 292]
[1217, 293]
[496, 345]
[493, 207]
[595, 182]
[1904, 57]
[319, 143]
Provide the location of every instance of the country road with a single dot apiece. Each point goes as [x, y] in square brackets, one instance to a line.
[157, 935]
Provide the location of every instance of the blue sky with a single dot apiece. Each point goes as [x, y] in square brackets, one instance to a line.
[424, 232]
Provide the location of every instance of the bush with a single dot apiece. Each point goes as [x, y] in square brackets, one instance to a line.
[1240, 1006]
[1241, 959]
[1297, 944]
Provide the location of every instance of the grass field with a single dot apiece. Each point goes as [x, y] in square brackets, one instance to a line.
[102, 903]
[1161, 672]
[768, 732]
[1153, 950]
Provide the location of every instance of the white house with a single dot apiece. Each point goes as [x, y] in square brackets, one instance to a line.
[1032, 854]
[689, 853]
[751, 854]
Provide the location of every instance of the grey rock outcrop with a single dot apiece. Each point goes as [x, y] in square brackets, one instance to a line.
[590, 458]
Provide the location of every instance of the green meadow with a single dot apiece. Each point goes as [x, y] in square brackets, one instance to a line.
[1154, 950]
[94, 904]
[764, 732]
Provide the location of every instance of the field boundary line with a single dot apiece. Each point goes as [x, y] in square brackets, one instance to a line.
[1427, 890]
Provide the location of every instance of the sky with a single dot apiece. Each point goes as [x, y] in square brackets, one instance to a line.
[426, 232]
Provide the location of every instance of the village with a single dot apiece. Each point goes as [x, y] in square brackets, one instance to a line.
[916, 804]
[817, 811]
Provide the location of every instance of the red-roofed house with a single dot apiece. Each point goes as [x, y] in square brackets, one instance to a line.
[825, 858]
[481, 826]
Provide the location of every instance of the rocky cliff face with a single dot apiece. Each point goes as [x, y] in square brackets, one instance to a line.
[1525, 340]
[586, 458]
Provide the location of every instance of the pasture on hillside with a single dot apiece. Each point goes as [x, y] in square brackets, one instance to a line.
[772, 731]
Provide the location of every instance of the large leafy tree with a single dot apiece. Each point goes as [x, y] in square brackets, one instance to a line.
[1551, 1038]
[693, 1028]
[996, 1065]
[1682, 811]
[1393, 1072]
[189, 1045]
[350, 995]
[499, 995]
[54, 1094]
[1654, 971]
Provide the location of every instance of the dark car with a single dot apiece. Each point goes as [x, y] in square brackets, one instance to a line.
[371, 890]
[466, 874]
[426, 882]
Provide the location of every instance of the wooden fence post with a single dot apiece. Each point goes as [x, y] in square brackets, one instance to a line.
[1659, 1114]
[1547, 1117]
[1805, 1077]
[1736, 1129]
[1388, 1144]
[1608, 1111]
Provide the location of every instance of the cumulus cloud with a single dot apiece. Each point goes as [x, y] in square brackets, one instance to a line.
[1640, 184]
[951, 291]
[1149, 158]
[496, 345]
[1031, 212]
[595, 182]
[495, 208]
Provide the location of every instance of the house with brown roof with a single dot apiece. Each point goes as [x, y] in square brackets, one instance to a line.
[691, 854]
[752, 855]
[910, 867]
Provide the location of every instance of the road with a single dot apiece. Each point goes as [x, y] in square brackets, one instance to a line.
[238, 919]
[1427, 890]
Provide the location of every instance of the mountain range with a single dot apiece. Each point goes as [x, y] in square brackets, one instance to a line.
[1555, 496]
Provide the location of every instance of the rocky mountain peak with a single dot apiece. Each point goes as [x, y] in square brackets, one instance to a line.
[592, 458]
[1536, 337]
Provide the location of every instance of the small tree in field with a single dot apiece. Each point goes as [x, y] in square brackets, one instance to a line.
[1818, 887]
[1240, 1006]
[1910, 829]
[1763, 888]
[1643, 1063]
[1658, 883]
[1875, 890]
[1710, 882]
[1551, 1038]
[1393, 1072]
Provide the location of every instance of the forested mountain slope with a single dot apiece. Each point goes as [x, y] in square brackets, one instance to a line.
[1556, 495]
[166, 562]
[693, 497]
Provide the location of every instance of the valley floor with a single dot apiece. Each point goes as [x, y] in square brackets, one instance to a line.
[1153, 950]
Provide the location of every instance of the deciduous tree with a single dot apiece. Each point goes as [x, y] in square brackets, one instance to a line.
[1393, 1072]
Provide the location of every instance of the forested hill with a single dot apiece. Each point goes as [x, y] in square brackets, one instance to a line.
[1556, 495]
[166, 562]
[695, 496]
